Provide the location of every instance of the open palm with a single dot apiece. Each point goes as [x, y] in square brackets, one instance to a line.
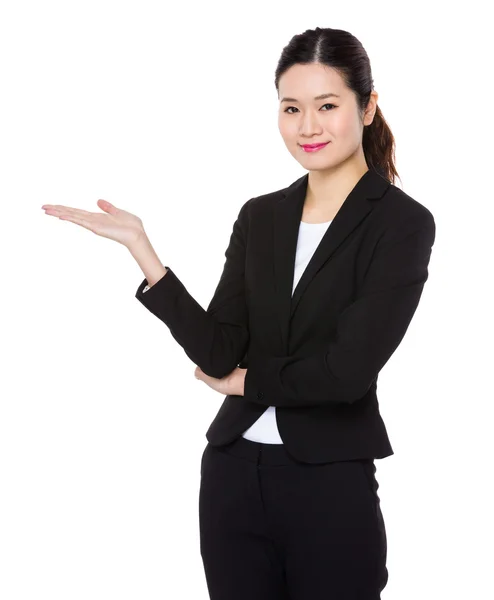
[115, 223]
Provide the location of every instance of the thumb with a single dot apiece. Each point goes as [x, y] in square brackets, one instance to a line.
[107, 207]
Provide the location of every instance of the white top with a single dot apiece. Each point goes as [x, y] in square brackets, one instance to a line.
[265, 429]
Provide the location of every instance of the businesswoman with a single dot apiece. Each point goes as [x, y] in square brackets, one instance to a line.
[320, 283]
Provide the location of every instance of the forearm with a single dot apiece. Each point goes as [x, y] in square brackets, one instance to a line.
[215, 339]
[148, 260]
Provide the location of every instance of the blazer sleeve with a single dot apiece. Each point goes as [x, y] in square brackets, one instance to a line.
[368, 331]
[215, 339]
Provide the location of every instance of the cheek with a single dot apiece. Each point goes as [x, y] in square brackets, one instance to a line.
[347, 128]
[287, 130]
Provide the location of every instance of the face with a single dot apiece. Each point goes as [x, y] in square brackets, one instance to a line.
[334, 119]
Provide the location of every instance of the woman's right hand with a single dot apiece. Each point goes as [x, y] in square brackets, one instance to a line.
[118, 224]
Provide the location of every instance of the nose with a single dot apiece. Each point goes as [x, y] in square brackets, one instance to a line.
[309, 125]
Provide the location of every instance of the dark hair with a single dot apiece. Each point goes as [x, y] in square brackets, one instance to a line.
[343, 52]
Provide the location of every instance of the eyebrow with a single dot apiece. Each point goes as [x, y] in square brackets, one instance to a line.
[321, 97]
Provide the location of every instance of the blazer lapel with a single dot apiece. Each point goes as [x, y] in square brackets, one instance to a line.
[287, 216]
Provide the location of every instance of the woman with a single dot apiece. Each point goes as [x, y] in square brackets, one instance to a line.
[320, 283]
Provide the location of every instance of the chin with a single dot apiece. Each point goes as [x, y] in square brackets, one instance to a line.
[314, 164]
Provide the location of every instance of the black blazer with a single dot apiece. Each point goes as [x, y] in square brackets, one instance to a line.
[315, 355]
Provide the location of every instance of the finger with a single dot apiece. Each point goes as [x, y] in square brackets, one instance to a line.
[69, 210]
[79, 221]
[107, 207]
[56, 206]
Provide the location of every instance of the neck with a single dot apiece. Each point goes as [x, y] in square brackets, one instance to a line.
[328, 189]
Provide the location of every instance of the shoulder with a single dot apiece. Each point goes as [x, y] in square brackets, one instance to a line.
[398, 217]
[397, 208]
[259, 206]
[265, 201]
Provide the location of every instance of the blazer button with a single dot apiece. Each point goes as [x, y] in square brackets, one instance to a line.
[260, 395]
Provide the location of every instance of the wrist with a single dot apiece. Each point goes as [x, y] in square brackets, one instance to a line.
[146, 257]
[141, 240]
[240, 381]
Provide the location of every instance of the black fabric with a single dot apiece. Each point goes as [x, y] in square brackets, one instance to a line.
[272, 528]
[314, 354]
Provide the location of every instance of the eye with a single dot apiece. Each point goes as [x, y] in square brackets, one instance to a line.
[327, 104]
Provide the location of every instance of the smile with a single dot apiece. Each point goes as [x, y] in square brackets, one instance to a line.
[313, 147]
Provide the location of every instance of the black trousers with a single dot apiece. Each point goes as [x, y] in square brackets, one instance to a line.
[273, 528]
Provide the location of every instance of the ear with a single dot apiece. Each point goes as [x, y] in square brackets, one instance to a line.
[370, 111]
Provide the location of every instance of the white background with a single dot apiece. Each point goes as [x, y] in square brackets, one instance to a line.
[102, 423]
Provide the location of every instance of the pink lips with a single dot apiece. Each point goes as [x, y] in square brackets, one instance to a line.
[313, 147]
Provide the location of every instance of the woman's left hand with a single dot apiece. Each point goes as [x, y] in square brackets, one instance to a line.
[233, 383]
